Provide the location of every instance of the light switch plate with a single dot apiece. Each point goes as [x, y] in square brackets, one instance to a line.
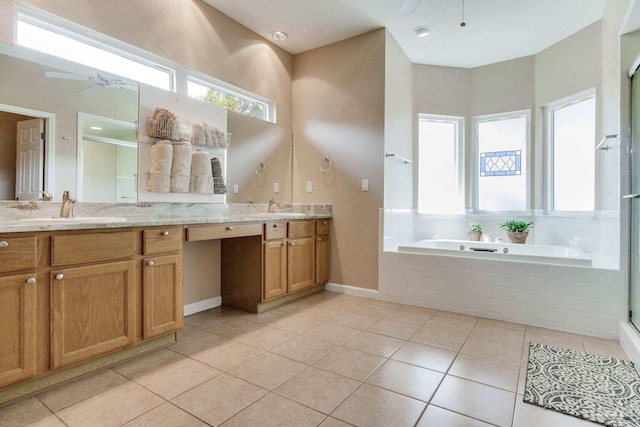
[365, 185]
[309, 186]
[276, 187]
[235, 188]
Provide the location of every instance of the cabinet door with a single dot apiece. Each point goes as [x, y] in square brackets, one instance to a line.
[275, 269]
[323, 259]
[92, 311]
[162, 289]
[300, 262]
[17, 328]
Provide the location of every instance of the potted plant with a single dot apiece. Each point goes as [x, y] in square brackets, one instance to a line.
[474, 232]
[517, 231]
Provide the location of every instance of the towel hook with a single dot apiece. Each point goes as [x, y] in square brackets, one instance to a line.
[328, 162]
[261, 169]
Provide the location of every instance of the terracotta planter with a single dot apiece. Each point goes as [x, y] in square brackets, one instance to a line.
[474, 236]
[517, 237]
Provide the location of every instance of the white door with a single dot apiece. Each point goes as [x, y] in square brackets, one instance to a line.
[29, 159]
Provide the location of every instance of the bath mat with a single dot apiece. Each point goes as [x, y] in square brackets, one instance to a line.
[600, 389]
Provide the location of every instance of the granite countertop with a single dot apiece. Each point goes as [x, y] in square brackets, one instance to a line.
[87, 223]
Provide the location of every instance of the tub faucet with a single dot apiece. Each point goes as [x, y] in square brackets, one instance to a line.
[272, 203]
[67, 205]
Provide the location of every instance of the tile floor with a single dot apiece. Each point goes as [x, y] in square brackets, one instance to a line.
[329, 360]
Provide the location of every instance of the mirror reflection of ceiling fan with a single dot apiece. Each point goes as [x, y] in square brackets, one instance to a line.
[99, 82]
[408, 7]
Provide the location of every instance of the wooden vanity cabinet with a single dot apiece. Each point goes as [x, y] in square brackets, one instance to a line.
[323, 251]
[275, 269]
[162, 310]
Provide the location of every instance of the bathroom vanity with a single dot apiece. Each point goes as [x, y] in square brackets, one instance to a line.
[76, 297]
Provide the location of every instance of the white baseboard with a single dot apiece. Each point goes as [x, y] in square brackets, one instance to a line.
[352, 290]
[630, 341]
[199, 306]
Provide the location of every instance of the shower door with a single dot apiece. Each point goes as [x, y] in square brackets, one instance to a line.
[634, 202]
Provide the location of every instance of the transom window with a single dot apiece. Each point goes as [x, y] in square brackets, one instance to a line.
[571, 128]
[502, 142]
[46, 38]
[441, 164]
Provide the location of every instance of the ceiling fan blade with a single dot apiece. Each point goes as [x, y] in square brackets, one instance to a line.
[67, 76]
[408, 7]
[92, 90]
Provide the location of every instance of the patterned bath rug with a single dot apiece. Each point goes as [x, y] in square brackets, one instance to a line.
[600, 389]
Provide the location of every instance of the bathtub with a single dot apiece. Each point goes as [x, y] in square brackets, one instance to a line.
[562, 255]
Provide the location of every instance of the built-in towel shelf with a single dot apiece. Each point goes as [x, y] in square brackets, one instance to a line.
[600, 146]
[398, 158]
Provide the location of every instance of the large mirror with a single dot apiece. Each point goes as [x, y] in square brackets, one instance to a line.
[259, 161]
[63, 126]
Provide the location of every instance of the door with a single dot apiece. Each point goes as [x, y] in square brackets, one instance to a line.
[30, 159]
[301, 258]
[275, 269]
[92, 311]
[162, 295]
[634, 201]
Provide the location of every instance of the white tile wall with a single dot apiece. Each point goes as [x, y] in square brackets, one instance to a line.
[584, 300]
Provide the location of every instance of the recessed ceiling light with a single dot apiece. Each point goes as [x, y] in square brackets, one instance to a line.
[421, 31]
[95, 128]
[278, 35]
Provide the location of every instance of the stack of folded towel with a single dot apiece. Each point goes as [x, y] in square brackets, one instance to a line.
[161, 160]
[163, 124]
[218, 180]
[201, 174]
[181, 167]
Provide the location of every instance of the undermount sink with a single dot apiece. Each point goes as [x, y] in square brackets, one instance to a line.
[82, 219]
[286, 214]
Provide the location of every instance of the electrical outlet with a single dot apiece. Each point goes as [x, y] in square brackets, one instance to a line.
[276, 187]
[235, 188]
[309, 186]
[365, 185]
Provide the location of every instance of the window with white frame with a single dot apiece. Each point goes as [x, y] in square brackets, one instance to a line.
[48, 38]
[440, 164]
[571, 128]
[230, 99]
[501, 146]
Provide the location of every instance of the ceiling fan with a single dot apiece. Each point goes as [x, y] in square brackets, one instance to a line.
[99, 82]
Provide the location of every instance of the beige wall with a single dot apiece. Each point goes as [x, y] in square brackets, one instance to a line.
[398, 126]
[6, 21]
[339, 94]
[193, 34]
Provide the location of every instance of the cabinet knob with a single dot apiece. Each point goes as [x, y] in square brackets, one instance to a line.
[59, 276]
[324, 223]
[319, 239]
[276, 225]
[31, 280]
[151, 263]
[4, 244]
[284, 243]
[291, 243]
[165, 233]
[229, 228]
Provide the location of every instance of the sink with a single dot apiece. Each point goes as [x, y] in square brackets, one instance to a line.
[286, 214]
[80, 219]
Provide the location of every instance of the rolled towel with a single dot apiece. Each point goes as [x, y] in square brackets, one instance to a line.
[181, 167]
[161, 159]
[208, 134]
[218, 179]
[198, 135]
[201, 173]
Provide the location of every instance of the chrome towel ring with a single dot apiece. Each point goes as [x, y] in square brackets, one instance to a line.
[326, 164]
[261, 169]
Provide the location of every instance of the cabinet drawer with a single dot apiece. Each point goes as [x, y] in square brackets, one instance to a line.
[17, 253]
[162, 240]
[322, 227]
[274, 230]
[91, 247]
[212, 232]
[300, 229]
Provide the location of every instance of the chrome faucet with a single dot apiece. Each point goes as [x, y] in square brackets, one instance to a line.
[67, 205]
[46, 196]
[271, 204]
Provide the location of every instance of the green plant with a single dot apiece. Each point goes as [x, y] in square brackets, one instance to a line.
[475, 227]
[516, 226]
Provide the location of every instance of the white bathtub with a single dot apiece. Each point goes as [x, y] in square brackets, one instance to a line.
[501, 251]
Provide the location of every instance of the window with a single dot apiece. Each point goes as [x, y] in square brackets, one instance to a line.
[58, 42]
[571, 142]
[230, 99]
[441, 164]
[502, 142]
